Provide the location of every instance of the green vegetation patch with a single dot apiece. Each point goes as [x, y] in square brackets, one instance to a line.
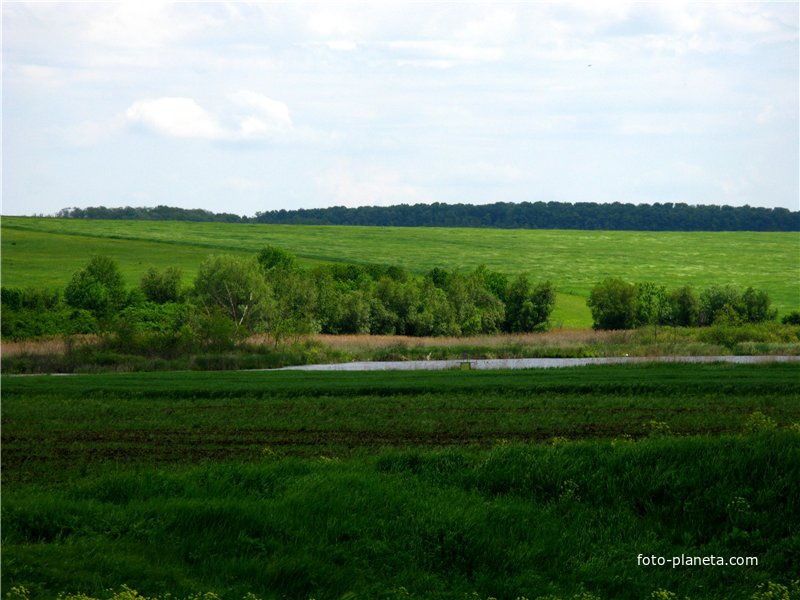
[402, 485]
[55, 426]
[573, 260]
[516, 520]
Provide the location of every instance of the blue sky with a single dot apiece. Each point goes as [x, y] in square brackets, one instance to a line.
[243, 107]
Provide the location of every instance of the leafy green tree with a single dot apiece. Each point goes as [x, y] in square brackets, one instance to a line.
[357, 311]
[476, 309]
[236, 286]
[273, 257]
[613, 304]
[98, 287]
[684, 307]
[652, 306]
[720, 303]
[394, 302]
[293, 310]
[528, 308]
[433, 314]
[496, 283]
[161, 287]
[755, 305]
[438, 276]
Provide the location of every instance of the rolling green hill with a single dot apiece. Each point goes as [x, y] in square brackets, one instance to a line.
[45, 252]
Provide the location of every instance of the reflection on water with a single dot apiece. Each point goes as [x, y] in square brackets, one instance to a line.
[532, 363]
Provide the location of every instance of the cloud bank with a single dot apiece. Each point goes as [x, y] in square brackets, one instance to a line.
[254, 106]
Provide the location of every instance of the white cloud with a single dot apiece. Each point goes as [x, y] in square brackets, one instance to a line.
[273, 114]
[185, 118]
[175, 117]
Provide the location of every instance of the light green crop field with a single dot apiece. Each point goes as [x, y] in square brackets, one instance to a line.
[45, 252]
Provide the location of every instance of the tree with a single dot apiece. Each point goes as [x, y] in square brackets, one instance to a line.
[236, 286]
[476, 308]
[394, 303]
[528, 308]
[684, 307]
[161, 287]
[720, 302]
[273, 257]
[755, 304]
[293, 309]
[433, 314]
[496, 283]
[613, 304]
[652, 305]
[98, 287]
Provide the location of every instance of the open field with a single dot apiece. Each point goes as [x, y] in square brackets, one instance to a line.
[402, 485]
[39, 252]
[177, 417]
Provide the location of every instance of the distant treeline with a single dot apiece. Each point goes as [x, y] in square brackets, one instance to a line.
[500, 215]
[149, 213]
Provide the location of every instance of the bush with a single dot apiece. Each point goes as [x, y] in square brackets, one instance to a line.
[613, 304]
[161, 287]
[30, 324]
[234, 286]
[755, 306]
[720, 303]
[793, 318]
[684, 307]
[529, 308]
[272, 257]
[97, 288]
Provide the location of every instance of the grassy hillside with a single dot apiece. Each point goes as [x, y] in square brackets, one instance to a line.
[46, 251]
[402, 485]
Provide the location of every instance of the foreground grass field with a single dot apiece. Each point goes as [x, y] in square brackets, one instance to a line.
[378, 485]
[42, 252]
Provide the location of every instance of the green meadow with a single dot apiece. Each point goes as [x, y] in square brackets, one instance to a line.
[460, 484]
[45, 252]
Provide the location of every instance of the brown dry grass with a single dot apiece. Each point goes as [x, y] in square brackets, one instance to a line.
[44, 347]
[556, 338]
[365, 343]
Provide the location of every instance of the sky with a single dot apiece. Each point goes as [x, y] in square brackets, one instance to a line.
[249, 107]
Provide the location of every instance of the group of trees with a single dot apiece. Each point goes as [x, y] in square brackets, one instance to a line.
[271, 293]
[234, 296]
[617, 304]
[501, 215]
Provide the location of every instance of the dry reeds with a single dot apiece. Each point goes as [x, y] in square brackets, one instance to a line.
[56, 345]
